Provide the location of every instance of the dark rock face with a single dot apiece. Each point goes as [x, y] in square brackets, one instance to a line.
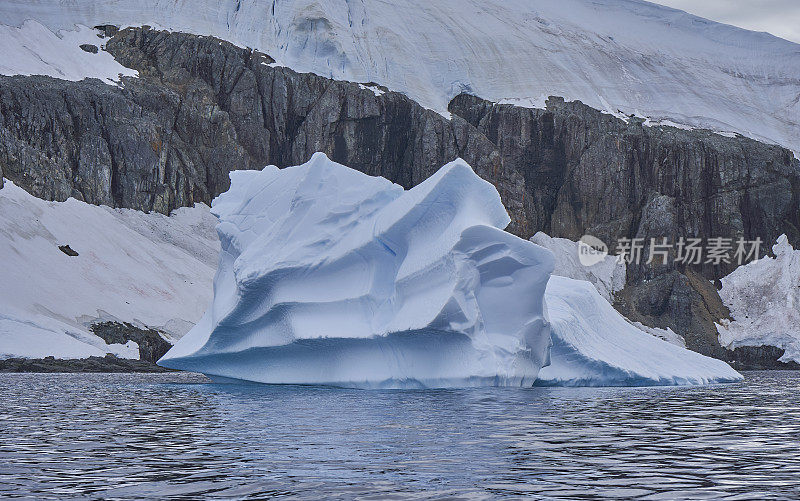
[91, 48]
[151, 345]
[69, 251]
[203, 107]
[758, 358]
[686, 303]
[588, 172]
[108, 30]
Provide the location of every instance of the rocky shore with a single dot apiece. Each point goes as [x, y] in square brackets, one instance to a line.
[109, 363]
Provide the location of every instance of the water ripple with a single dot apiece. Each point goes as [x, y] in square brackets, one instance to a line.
[118, 436]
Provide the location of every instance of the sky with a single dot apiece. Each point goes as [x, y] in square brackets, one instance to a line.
[779, 17]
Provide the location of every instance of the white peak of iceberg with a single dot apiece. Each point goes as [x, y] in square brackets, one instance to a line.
[328, 275]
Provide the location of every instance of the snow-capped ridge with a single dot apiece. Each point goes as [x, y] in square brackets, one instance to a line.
[32, 49]
[616, 55]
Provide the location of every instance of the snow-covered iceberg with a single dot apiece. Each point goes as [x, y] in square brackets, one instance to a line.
[331, 276]
[593, 345]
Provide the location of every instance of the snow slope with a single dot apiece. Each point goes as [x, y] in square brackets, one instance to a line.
[627, 55]
[147, 269]
[764, 299]
[593, 345]
[330, 276]
[32, 49]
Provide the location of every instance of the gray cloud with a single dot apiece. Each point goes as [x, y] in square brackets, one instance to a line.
[779, 17]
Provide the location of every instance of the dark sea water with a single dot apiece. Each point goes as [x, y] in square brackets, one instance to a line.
[177, 435]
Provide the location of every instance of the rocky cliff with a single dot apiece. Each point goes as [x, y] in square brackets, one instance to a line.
[202, 107]
[591, 173]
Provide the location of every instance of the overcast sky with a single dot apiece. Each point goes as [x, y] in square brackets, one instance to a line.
[779, 17]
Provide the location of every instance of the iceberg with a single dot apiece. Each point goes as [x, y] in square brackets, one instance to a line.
[331, 276]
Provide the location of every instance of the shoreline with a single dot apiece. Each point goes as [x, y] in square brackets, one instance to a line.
[111, 364]
[107, 364]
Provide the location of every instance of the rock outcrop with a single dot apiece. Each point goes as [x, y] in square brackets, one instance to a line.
[203, 107]
[152, 345]
[589, 172]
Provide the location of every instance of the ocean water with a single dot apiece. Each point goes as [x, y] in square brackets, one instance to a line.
[178, 435]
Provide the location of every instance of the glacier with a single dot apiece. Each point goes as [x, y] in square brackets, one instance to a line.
[626, 57]
[330, 276]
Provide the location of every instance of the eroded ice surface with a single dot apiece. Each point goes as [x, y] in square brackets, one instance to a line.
[593, 345]
[331, 276]
[607, 275]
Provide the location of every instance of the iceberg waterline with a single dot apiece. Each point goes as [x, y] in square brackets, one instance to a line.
[331, 276]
